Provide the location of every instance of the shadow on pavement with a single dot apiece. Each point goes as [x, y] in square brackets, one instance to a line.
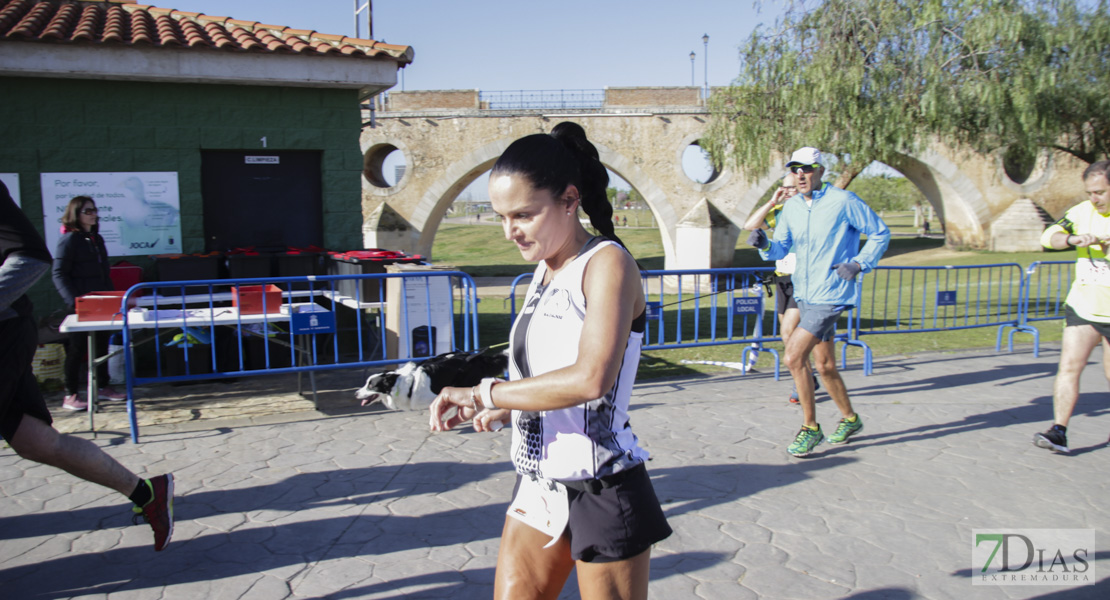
[1018, 373]
[1039, 410]
[884, 594]
[467, 584]
[352, 487]
[693, 488]
[247, 549]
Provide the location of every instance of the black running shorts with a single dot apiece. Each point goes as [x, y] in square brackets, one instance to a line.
[784, 296]
[19, 392]
[1073, 320]
[618, 523]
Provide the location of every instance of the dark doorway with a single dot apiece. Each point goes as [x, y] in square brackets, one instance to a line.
[262, 198]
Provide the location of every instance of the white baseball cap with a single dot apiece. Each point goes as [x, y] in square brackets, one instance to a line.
[805, 156]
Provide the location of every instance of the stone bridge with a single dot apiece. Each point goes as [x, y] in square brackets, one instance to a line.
[449, 138]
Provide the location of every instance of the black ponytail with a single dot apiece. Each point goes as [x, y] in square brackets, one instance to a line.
[565, 157]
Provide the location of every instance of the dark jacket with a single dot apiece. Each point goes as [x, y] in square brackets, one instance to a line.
[81, 266]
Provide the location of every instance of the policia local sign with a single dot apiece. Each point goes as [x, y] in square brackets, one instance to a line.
[139, 212]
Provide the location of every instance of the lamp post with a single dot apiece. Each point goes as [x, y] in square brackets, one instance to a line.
[705, 59]
[692, 55]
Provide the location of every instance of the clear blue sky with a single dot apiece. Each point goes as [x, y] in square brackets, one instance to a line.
[530, 44]
[535, 45]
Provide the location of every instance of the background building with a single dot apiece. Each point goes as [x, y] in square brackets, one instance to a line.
[257, 124]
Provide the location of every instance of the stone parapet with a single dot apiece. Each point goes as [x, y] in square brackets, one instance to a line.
[652, 96]
[442, 99]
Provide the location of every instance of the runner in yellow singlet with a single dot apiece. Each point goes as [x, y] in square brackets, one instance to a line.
[1086, 227]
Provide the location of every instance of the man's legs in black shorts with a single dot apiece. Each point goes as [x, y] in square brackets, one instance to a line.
[1080, 339]
[25, 423]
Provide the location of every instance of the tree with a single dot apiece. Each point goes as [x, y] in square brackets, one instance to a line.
[871, 79]
[1056, 85]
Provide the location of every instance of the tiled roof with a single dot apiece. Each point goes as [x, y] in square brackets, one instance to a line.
[124, 23]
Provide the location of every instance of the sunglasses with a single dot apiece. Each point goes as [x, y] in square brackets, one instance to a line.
[88, 211]
[806, 169]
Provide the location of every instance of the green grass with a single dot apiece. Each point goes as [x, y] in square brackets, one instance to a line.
[482, 251]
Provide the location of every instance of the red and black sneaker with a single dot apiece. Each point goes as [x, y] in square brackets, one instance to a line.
[159, 511]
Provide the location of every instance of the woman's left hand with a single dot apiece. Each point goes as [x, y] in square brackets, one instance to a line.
[448, 398]
[491, 419]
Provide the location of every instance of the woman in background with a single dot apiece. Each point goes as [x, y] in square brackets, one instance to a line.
[80, 267]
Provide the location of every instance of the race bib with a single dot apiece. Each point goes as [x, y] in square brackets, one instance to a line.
[541, 504]
[1093, 271]
[785, 265]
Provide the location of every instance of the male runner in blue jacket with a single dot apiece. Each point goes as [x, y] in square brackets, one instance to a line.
[822, 225]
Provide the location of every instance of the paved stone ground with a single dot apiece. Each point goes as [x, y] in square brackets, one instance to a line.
[371, 505]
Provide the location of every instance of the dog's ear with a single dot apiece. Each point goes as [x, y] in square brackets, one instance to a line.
[385, 382]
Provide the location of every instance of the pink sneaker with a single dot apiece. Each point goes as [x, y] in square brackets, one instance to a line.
[107, 393]
[74, 402]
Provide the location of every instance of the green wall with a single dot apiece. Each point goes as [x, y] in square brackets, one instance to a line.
[61, 125]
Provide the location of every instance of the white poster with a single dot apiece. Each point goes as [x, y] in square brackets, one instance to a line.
[11, 181]
[139, 212]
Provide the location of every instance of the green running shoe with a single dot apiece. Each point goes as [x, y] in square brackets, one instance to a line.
[807, 440]
[845, 430]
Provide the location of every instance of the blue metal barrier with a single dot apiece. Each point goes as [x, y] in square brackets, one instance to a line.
[224, 328]
[523, 277]
[1046, 287]
[704, 307]
[892, 300]
[943, 298]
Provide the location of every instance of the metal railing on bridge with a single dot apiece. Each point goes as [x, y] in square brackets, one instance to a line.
[542, 99]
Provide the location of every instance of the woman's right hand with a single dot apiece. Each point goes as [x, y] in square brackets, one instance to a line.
[442, 417]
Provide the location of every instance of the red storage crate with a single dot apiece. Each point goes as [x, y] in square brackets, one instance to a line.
[101, 306]
[248, 298]
[124, 275]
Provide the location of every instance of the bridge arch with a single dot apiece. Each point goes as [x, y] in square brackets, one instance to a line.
[450, 138]
[955, 197]
[438, 197]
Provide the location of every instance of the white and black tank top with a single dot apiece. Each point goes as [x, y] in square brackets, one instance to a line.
[586, 441]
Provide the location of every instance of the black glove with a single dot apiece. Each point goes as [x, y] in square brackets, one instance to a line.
[758, 239]
[847, 270]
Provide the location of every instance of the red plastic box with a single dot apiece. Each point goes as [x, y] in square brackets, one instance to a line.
[124, 275]
[101, 306]
[249, 299]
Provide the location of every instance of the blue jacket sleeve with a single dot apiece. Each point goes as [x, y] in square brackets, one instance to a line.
[781, 242]
[867, 222]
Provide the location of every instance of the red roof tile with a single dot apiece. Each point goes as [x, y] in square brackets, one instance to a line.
[125, 23]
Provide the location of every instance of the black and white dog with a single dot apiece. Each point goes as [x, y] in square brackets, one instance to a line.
[413, 386]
